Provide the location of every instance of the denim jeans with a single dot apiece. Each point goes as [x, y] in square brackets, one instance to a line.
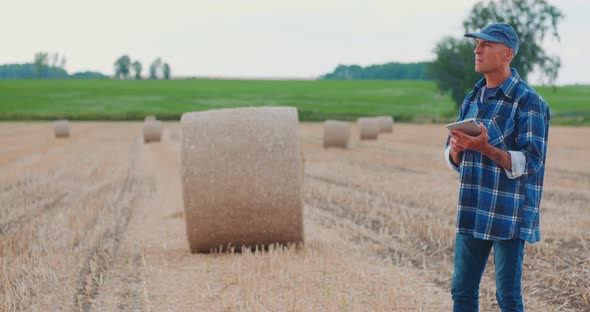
[471, 255]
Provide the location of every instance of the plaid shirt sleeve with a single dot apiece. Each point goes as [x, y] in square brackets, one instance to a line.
[531, 139]
[518, 161]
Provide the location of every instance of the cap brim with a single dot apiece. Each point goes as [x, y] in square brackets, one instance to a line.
[482, 36]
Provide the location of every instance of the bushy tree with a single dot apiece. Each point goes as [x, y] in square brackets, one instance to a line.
[122, 65]
[453, 68]
[533, 20]
[154, 67]
[41, 59]
[137, 69]
[166, 71]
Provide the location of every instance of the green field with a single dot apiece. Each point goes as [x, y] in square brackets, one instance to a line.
[416, 101]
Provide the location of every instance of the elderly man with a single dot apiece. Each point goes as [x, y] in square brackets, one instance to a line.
[501, 172]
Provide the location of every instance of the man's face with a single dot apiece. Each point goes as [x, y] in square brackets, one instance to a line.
[491, 56]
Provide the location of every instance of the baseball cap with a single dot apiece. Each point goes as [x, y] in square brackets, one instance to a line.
[498, 32]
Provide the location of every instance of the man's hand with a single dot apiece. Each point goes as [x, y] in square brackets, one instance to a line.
[461, 142]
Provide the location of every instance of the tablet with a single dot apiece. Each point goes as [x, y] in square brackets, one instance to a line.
[467, 126]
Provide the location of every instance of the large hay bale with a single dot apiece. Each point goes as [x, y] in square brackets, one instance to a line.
[242, 177]
[369, 128]
[385, 124]
[62, 129]
[336, 133]
[152, 131]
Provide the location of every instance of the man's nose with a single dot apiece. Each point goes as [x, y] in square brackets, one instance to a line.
[477, 49]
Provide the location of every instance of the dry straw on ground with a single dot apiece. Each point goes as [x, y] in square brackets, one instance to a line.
[241, 177]
[336, 133]
[385, 124]
[62, 129]
[369, 128]
[152, 131]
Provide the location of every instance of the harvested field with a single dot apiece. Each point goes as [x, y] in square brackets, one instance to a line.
[96, 223]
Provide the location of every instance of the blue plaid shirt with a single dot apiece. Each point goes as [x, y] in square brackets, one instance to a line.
[495, 204]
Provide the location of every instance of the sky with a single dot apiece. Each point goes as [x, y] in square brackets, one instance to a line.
[298, 39]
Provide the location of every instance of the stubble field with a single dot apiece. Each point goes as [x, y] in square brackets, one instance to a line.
[96, 223]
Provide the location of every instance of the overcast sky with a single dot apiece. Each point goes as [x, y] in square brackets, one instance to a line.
[256, 38]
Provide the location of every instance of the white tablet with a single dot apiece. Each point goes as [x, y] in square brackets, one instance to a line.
[468, 126]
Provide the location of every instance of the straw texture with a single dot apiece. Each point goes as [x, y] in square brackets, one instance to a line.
[242, 175]
[62, 129]
[336, 133]
[368, 128]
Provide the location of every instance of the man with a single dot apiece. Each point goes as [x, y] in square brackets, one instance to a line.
[501, 172]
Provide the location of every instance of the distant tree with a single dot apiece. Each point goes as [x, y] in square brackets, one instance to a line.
[154, 67]
[56, 66]
[122, 65]
[40, 62]
[54, 57]
[166, 71]
[137, 69]
[62, 63]
[533, 20]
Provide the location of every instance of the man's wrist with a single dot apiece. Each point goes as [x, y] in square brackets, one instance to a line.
[455, 157]
[488, 150]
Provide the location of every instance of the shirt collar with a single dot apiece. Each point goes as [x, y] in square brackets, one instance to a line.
[508, 87]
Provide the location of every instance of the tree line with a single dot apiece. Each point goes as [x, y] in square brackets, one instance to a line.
[124, 66]
[414, 71]
[52, 66]
[45, 65]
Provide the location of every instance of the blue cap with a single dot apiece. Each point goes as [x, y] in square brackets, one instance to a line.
[498, 32]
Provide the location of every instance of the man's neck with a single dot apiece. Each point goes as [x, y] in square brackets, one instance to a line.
[496, 79]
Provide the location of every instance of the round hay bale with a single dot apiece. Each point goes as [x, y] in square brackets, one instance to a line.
[369, 128]
[62, 129]
[385, 124]
[242, 175]
[336, 133]
[152, 131]
[150, 118]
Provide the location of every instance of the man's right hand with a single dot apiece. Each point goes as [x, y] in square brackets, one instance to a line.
[456, 150]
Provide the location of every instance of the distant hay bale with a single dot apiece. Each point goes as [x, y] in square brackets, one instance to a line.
[62, 129]
[242, 175]
[336, 133]
[369, 128]
[152, 131]
[150, 118]
[385, 124]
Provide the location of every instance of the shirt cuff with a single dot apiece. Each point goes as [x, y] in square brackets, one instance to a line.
[518, 163]
[448, 159]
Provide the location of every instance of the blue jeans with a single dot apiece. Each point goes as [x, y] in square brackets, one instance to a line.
[471, 255]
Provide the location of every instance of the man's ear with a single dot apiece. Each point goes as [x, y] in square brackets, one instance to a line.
[509, 54]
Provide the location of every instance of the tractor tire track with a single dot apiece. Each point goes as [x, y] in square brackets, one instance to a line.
[105, 251]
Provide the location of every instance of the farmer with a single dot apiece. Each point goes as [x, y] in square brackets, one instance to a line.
[501, 172]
